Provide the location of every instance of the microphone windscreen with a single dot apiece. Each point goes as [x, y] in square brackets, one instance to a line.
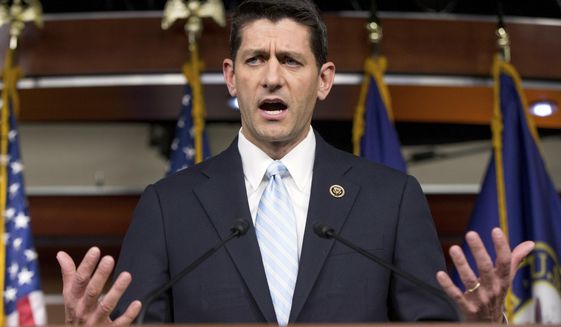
[241, 226]
[323, 230]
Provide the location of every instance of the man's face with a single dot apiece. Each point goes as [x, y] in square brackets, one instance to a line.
[276, 81]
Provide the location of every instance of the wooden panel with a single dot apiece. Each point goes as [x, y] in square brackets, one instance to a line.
[466, 47]
[451, 213]
[81, 216]
[466, 105]
[108, 216]
[430, 46]
[138, 103]
[127, 103]
[463, 105]
[76, 222]
[122, 45]
[137, 45]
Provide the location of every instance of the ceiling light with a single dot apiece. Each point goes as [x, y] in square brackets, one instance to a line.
[543, 108]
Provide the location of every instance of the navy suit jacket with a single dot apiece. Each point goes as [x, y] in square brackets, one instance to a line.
[384, 211]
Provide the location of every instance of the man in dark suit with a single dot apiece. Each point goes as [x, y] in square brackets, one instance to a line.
[278, 69]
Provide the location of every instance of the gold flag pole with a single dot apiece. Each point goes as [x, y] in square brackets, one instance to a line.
[194, 11]
[15, 15]
[375, 67]
[502, 57]
[501, 65]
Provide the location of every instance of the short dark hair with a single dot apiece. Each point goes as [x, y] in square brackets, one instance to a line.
[304, 12]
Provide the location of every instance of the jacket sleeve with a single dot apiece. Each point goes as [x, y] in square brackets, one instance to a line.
[417, 251]
[144, 256]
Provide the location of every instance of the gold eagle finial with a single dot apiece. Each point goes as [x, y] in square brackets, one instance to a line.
[16, 15]
[193, 11]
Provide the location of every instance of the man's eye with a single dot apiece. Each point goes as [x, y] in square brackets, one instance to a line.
[254, 60]
[291, 62]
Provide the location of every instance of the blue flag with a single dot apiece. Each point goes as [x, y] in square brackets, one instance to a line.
[518, 195]
[183, 146]
[374, 134]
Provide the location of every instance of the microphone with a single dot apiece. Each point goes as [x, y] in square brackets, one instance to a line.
[327, 232]
[239, 228]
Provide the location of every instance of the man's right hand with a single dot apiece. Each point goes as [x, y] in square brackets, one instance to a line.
[82, 290]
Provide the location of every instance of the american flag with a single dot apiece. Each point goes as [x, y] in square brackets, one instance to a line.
[183, 145]
[24, 304]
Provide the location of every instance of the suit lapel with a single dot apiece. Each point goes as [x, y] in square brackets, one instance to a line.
[329, 170]
[224, 198]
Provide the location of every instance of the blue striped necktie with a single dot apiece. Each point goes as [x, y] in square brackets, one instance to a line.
[275, 226]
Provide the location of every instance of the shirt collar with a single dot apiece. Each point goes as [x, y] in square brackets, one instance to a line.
[299, 161]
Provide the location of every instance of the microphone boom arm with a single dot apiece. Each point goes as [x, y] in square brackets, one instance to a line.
[325, 231]
[240, 227]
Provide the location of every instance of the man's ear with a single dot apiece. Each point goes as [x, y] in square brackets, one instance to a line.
[326, 77]
[228, 71]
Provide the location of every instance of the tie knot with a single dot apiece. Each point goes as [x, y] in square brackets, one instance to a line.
[276, 168]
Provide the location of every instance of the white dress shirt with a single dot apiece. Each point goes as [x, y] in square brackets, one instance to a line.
[300, 164]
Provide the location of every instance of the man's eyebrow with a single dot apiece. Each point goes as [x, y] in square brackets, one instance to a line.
[265, 53]
[291, 54]
[254, 52]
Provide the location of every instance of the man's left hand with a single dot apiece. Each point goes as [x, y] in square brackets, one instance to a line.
[484, 297]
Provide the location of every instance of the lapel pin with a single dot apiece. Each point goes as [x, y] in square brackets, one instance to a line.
[337, 191]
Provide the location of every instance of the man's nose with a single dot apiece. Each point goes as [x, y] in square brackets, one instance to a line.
[272, 78]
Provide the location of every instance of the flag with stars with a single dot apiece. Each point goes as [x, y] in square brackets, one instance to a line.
[22, 302]
[183, 145]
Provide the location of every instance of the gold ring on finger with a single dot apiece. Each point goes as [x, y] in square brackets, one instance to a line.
[474, 288]
[100, 299]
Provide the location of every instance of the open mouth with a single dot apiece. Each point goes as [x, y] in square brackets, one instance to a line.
[273, 106]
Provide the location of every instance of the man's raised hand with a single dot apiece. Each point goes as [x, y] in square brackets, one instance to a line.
[82, 290]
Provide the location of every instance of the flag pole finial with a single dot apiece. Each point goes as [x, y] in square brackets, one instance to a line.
[503, 43]
[503, 39]
[17, 14]
[374, 28]
[193, 11]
